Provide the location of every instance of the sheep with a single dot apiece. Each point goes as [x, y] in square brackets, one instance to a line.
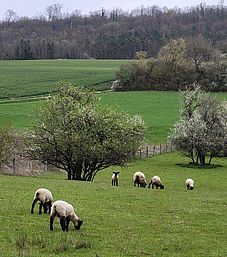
[115, 178]
[139, 179]
[189, 184]
[45, 199]
[156, 181]
[66, 213]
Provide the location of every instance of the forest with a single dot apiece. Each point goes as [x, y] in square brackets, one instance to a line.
[108, 34]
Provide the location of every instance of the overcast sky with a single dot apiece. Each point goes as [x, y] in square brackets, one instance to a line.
[33, 8]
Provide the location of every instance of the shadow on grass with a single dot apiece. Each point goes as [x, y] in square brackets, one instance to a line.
[192, 165]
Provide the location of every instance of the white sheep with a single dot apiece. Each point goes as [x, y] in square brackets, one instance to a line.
[45, 199]
[139, 179]
[115, 178]
[66, 213]
[189, 184]
[156, 181]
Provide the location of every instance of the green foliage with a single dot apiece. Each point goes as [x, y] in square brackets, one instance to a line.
[7, 143]
[177, 66]
[77, 135]
[202, 129]
[116, 219]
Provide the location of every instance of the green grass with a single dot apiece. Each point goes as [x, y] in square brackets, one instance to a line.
[121, 221]
[25, 78]
[160, 110]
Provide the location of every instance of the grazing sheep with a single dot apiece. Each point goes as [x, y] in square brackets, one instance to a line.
[139, 179]
[156, 181]
[45, 199]
[115, 178]
[65, 212]
[189, 184]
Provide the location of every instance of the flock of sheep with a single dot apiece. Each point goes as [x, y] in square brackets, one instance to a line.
[65, 211]
[139, 179]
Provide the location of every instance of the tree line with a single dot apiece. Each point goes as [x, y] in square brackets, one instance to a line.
[108, 34]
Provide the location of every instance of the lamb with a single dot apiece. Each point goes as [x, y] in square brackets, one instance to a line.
[189, 184]
[115, 178]
[45, 199]
[139, 179]
[156, 181]
[65, 212]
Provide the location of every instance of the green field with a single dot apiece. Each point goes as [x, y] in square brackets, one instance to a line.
[121, 221]
[26, 78]
[160, 110]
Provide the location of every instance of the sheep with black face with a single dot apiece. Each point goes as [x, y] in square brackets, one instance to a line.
[66, 213]
[139, 179]
[156, 182]
[45, 199]
[189, 184]
[115, 178]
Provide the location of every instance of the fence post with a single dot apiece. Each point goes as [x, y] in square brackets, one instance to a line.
[160, 148]
[154, 150]
[14, 165]
[147, 151]
[140, 153]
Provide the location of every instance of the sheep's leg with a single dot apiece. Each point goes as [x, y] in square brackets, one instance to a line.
[149, 185]
[67, 224]
[152, 186]
[45, 207]
[116, 182]
[40, 207]
[62, 222]
[49, 206]
[33, 205]
[112, 183]
[52, 217]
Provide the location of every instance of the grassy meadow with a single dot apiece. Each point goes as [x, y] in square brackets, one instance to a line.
[118, 221]
[121, 221]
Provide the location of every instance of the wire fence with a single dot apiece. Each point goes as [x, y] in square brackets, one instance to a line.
[151, 150]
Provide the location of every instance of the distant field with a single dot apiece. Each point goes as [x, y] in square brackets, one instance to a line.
[160, 110]
[121, 221]
[25, 78]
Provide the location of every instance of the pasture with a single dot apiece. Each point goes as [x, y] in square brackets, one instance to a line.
[125, 220]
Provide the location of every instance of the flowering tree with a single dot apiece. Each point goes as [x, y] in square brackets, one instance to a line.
[202, 128]
[75, 134]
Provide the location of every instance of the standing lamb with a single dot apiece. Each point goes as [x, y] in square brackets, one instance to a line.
[156, 181]
[189, 184]
[65, 212]
[45, 199]
[139, 179]
[115, 178]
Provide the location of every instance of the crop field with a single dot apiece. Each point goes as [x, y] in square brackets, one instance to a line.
[26, 78]
[121, 221]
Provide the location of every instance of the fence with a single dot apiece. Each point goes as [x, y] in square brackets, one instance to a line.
[151, 150]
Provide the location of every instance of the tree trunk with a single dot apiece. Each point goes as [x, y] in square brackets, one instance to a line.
[69, 175]
[202, 160]
[77, 171]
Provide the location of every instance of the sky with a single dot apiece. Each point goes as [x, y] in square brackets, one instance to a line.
[31, 8]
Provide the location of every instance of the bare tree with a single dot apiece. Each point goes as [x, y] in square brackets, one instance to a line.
[9, 16]
[54, 11]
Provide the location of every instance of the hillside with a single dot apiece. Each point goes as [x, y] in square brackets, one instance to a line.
[109, 34]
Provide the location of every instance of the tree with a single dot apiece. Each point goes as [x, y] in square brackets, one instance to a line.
[6, 144]
[202, 129]
[75, 134]
[200, 50]
[54, 11]
[10, 15]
